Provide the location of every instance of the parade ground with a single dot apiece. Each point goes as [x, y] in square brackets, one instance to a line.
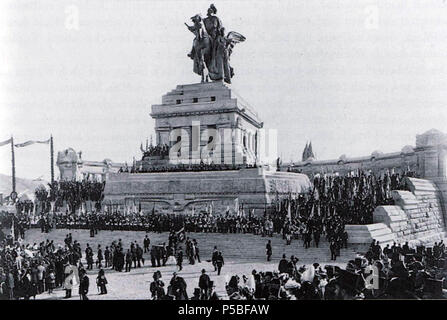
[242, 253]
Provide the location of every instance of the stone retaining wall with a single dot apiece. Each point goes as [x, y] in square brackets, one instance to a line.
[417, 217]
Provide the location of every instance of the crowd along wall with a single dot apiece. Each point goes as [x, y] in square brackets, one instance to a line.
[419, 215]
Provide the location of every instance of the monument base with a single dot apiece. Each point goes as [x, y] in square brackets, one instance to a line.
[187, 192]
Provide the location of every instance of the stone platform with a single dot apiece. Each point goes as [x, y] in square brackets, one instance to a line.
[180, 192]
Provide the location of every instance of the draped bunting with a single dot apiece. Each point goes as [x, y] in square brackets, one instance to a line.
[3, 143]
[30, 142]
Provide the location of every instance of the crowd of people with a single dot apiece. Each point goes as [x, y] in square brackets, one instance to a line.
[396, 272]
[74, 193]
[27, 270]
[160, 150]
[334, 202]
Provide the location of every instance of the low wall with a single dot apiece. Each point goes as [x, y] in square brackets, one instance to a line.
[417, 217]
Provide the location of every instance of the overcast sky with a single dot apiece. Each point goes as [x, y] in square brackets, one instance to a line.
[351, 76]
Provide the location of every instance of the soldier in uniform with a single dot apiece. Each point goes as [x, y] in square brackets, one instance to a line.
[214, 257]
[106, 257]
[204, 285]
[83, 284]
[219, 262]
[128, 260]
[180, 259]
[153, 256]
[146, 243]
[316, 237]
[196, 256]
[178, 287]
[99, 256]
[89, 257]
[139, 253]
[268, 250]
[101, 282]
[134, 254]
[157, 287]
[333, 249]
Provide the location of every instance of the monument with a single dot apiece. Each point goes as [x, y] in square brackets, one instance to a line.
[210, 146]
[72, 167]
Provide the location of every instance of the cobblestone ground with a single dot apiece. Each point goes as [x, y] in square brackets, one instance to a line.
[242, 254]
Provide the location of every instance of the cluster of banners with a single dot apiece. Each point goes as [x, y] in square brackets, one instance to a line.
[24, 144]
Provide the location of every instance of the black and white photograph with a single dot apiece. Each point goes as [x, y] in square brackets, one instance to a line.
[220, 150]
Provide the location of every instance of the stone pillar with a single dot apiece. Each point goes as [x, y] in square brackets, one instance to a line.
[186, 145]
[225, 134]
[433, 143]
[432, 161]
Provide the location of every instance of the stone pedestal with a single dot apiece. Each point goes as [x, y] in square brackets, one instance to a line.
[206, 123]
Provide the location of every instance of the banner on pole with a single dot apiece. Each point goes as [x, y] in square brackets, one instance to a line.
[4, 143]
[30, 142]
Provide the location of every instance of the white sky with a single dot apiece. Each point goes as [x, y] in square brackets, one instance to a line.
[352, 76]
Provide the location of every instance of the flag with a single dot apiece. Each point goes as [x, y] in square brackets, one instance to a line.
[289, 212]
[181, 234]
[3, 143]
[12, 230]
[30, 142]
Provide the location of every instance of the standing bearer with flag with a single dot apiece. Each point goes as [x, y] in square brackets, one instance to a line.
[289, 212]
[12, 231]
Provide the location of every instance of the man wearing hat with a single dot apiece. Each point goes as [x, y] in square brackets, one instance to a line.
[196, 294]
[83, 284]
[178, 287]
[213, 293]
[180, 259]
[268, 250]
[219, 262]
[204, 285]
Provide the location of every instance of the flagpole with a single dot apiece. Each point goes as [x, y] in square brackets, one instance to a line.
[13, 166]
[52, 159]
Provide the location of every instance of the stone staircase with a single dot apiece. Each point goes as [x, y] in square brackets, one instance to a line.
[364, 234]
[248, 247]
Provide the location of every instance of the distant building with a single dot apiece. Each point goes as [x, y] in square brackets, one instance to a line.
[73, 167]
[308, 152]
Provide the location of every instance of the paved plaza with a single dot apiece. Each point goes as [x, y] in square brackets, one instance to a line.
[242, 254]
